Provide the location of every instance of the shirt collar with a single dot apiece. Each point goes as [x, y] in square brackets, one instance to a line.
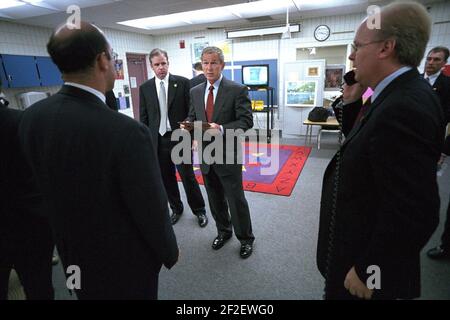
[215, 84]
[95, 92]
[386, 81]
[165, 80]
[432, 78]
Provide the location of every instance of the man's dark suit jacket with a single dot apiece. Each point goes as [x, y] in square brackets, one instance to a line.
[195, 81]
[442, 88]
[21, 208]
[96, 169]
[178, 95]
[111, 101]
[387, 201]
[232, 110]
[25, 237]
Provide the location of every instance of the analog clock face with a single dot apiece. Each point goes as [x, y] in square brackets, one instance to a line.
[322, 33]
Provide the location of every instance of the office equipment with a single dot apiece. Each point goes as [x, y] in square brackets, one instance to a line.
[255, 76]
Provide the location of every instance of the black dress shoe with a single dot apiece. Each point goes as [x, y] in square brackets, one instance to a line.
[219, 241]
[438, 253]
[246, 250]
[202, 220]
[175, 217]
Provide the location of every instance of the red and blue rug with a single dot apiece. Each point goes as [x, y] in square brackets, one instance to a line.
[281, 181]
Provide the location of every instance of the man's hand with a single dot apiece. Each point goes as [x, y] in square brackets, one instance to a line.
[194, 145]
[214, 129]
[355, 286]
[186, 125]
[352, 93]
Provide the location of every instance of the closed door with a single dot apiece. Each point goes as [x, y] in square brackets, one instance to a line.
[137, 72]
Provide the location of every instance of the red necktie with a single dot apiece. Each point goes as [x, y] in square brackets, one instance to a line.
[210, 104]
[363, 111]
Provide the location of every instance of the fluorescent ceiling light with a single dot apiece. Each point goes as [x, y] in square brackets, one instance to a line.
[10, 4]
[262, 31]
[32, 1]
[226, 13]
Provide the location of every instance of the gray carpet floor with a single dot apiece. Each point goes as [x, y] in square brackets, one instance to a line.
[283, 263]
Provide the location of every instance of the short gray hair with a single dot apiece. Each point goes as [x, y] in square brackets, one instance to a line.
[410, 25]
[218, 51]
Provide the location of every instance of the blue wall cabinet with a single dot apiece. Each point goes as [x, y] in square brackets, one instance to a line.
[5, 83]
[21, 71]
[48, 72]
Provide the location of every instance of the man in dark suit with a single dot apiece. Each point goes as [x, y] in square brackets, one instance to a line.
[380, 200]
[225, 105]
[436, 60]
[162, 115]
[99, 176]
[26, 242]
[199, 76]
[443, 250]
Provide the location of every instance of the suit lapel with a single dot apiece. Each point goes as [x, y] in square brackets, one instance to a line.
[220, 99]
[154, 102]
[171, 91]
[391, 86]
[364, 119]
[200, 105]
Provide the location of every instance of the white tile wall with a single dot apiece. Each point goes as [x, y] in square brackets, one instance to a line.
[271, 47]
[30, 40]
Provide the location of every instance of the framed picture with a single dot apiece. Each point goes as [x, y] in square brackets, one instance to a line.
[197, 48]
[118, 66]
[313, 71]
[301, 93]
[334, 77]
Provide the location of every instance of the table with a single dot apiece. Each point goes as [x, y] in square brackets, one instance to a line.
[331, 123]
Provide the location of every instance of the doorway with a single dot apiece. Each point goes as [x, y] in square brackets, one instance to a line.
[137, 73]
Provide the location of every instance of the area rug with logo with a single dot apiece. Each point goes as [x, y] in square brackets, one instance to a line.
[272, 169]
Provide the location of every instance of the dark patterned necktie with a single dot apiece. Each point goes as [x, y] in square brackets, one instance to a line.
[363, 111]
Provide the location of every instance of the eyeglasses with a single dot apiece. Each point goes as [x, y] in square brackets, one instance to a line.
[356, 47]
[111, 55]
[114, 55]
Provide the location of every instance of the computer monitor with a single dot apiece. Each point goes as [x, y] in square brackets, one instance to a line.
[256, 76]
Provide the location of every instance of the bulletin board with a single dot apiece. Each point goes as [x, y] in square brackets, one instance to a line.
[303, 88]
[304, 83]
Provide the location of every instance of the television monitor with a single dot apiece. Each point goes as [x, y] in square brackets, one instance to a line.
[256, 76]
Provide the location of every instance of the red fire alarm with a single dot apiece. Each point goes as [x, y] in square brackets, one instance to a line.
[181, 44]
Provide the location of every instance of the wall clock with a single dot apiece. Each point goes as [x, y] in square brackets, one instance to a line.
[322, 32]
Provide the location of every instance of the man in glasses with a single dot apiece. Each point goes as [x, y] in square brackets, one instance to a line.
[99, 176]
[380, 200]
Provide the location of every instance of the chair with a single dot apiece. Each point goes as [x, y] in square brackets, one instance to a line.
[325, 129]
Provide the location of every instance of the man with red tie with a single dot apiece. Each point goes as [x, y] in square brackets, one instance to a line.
[225, 105]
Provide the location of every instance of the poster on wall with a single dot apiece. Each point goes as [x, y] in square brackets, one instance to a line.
[197, 48]
[226, 47]
[118, 66]
[301, 93]
[313, 71]
[334, 77]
